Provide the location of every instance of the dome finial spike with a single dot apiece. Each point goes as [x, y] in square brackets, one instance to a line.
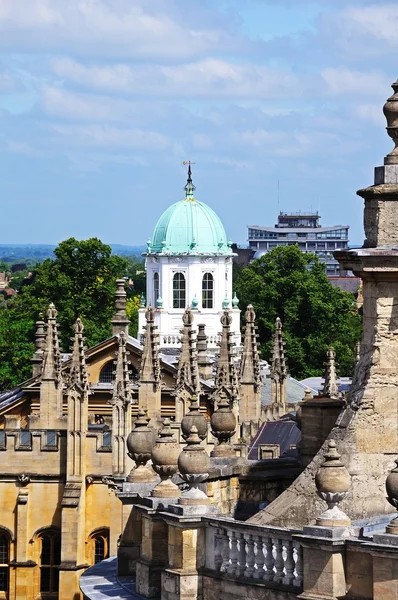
[189, 187]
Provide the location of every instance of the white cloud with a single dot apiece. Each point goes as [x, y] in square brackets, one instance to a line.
[110, 137]
[206, 78]
[106, 27]
[343, 81]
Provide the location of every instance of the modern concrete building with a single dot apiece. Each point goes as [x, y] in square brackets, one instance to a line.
[303, 229]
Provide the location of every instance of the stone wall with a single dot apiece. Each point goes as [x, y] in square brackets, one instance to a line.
[224, 588]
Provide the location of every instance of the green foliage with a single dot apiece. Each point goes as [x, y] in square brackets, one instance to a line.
[81, 283]
[292, 285]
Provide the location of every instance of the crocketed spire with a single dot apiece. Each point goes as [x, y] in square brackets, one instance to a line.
[250, 378]
[150, 374]
[121, 409]
[52, 354]
[188, 373]
[330, 387]
[78, 368]
[278, 371]
[226, 379]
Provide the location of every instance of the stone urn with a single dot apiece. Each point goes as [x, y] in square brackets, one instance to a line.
[223, 425]
[165, 454]
[194, 418]
[139, 445]
[193, 465]
[332, 483]
[390, 110]
[392, 497]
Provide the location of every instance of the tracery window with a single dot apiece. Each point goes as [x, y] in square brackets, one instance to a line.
[207, 290]
[50, 559]
[4, 560]
[107, 373]
[179, 291]
[155, 287]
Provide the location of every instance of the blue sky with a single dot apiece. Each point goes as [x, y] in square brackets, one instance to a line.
[102, 100]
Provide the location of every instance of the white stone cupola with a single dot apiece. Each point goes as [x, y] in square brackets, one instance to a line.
[189, 264]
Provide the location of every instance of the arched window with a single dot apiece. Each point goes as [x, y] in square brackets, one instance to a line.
[4, 560]
[98, 546]
[50, 559]
[179, 291]
[207, 290]
[155, 288]
[107, 373]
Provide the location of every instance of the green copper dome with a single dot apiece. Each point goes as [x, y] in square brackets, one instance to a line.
[191, 227]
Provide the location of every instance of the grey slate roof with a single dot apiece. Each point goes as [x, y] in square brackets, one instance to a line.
[8, 398]
[282, 432]
[101, 582]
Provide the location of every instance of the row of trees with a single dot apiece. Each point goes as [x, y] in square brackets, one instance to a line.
[80, 280]
[289, 284]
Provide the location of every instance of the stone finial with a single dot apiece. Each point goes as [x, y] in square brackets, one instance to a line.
[226, 379]
[120, 322]
[193, 465]
[358, 352]
[40, 341]
[78, 370]
[223, 424]
[52, 353]
[150, 364]
[278, 370]
[122, 387]
[330, 386]
[390, 110]
[165, 455]
[332, 483]
[250, 363]
[194, 418]
[187, 382]
[139, 445]
[392, 497]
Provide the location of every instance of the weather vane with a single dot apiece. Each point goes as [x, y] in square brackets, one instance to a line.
[188, 162]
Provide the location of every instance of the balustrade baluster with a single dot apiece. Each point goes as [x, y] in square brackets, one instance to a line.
[269, 560]
[241, 567]
[298, 580]
[218, 544]
[250, 556]
[233, 553]
[225, 552]
[289, 563]
[279, 562]
[260, 558]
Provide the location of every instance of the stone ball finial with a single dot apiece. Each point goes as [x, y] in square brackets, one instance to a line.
[250, 315]
[193, 465]
[390, 110]
[165, 455]
[392, 497]
[139, 444]
[150, 315]
[332, 483]
[226, 319]
[52, 311]
[223, 424]
[194, 418]
[187, 317]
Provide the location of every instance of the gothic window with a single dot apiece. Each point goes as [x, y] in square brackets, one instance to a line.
[155, 288]
[4, 561]
[106, 375]
[98, 546]
[179, 292]
[50, 559]
[207, 290]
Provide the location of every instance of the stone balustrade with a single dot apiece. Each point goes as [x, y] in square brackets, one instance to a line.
[268, 555]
